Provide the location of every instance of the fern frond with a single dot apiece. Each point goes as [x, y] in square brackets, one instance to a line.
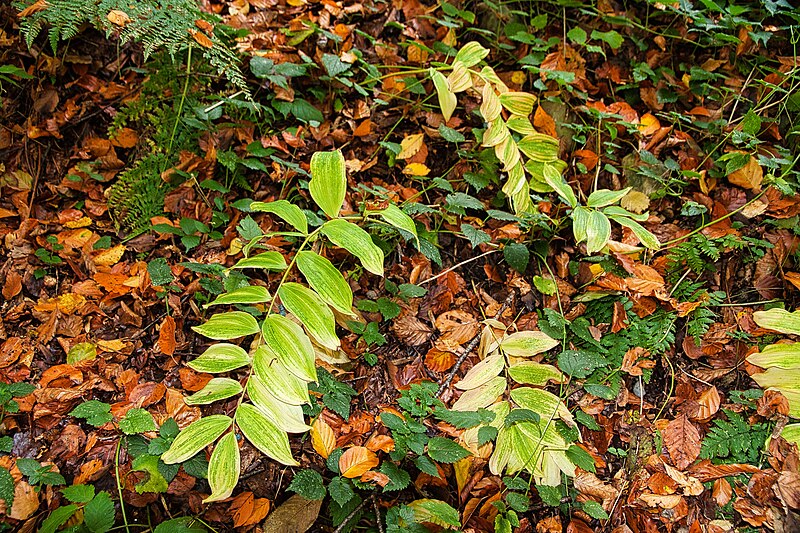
[138, 194]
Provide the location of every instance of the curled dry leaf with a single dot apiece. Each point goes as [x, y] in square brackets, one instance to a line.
[323, 438]
[357, 460]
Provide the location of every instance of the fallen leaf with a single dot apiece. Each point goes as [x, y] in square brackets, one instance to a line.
[247, 510]
[166, 336]
[410, 145]
[439, 360]
[357, 460]
[750, 176]
[12, 285]
[323, 438]
[295, 515]
[416, 169]
[682, 441]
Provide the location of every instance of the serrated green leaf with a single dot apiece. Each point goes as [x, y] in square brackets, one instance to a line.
[78, 493]
[284, 385]
[340, 490]
[99, 514]
[6, 487]
[517, 256]
[252, 294]
[292, 346]
[309, 484]
[286, 210]
[94, 412]
[264, 434]
[224, 468]
[595, 510]
[328, 181]
[57, 518]
[137, 421]
[580, 364]
[195, 437]
[216, 389]
[221, 357]
[286, 416]
[326, 280]
[355, 240]
[312, 312]
[230, 325]
[398, 478]
[445, 450]
[266, 260]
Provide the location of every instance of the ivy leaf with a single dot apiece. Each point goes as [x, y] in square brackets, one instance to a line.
[308, 484]
[445, 450]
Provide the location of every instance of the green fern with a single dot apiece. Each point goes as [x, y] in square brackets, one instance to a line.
[734, 440]
[138, 194]
[157, 24]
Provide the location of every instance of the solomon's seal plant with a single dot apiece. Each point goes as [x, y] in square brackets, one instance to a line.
[281, 362]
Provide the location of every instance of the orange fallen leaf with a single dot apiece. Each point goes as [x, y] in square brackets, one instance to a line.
[247, 510]
[648, 124]
[416, 169]
[201, 38]
[377, 442]
[110, 256]
[791, 277]
[363, 129]
[118, 17]
[750, 176]
[166, 336]
[12, 285]
[323, 438]
[439, 360]
[357, 460]
[377, 477]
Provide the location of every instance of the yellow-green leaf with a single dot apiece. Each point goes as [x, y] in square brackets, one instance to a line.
[286, 416]
[482, 372]
[546, 404]
[267, 261]
[216, 389]
[230, 325]
[252, 294]
[284, 385]
[328, 181]
[264, 434]
[224, 468]
[312, 312]
[196, 437]
[459, 79]
[326, 280]
[530, 373]
[355, 240]
[784, 356]
[527, 343]
[292, 346]
[471, 54]
[480, 397]
[285, 210]
[779, 320]
[490, 104]
[598, 231]
[221, 357]
[447, 99]
[518, 103]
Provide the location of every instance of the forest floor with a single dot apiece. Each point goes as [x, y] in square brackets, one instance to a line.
[105, 265]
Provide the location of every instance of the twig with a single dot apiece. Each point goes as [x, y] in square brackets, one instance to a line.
[454, 267]
[377, 514]
[354, 512]
[471, 346]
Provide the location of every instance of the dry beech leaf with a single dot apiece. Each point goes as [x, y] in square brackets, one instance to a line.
[379, 478]
[411, 330]
[750, 176]
[410, 145]
[357, 460]
[378, 442]
[635, 201]
[322, 438]
[648, 125]
[439, 360]
[247, 510]
[709, 404]
[166, 336]
[791, 277]
[201, 38]
[118, 18]
[295, 515]
[722, 491]
[682, 439]
[110, 257]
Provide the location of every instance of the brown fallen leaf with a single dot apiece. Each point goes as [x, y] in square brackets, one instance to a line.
[166, 336]
[682, 440]
[247, 510]
[295, 515]
[750, 176]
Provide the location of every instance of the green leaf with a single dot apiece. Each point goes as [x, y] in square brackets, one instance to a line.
[521, 415]
[216, 389]
[6, 487]
[517, 256]
[595, 510]
[436, 512]
[445, 450]
[645, 237]
[340, 490]
[334, 65]
[312, 312]
[476, 237]
[550, 495]
[482, 396]
[155, 481]
[99, 514]
[326, 280]
[530, 373]
[78, 493]
[581, 458]
[553, 178]
[284, 385]
[518, 502]
[57, 518]
[266, 260]
[580, 364]
[398, 478]
[309, 484]
[221, 357]
[447, 99]
[355, 240]
[598, 231]
[545, 285]
[137, 421]
[611, 38]
[292, 346]
[196, 437]
[427, 466]
[605, 197]
[286, 210]
[224, 468]
[471, 54]
[779, 320]
[160, 272]
[486, 434]
[577, 35]
[463, 419]
[451, 135]
[252, 294]
[83, 351]
[394, 216]
[248, 229]
[527, 343]
[94, 412]
[264, 434]
[180, 525]
[230, 325]
[286, 416]
[328, 181]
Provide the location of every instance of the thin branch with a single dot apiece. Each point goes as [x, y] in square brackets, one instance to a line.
[354, 512]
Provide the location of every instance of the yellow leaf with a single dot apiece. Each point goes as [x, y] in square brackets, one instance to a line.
[635, 201]
[518, 77]
[416, 169]
[111, 256]
[322, 438]
[750, 176]
[118, 18]
[490, 106]
[648, 125]
[80, 223]
[410, 145]
[357, 460]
